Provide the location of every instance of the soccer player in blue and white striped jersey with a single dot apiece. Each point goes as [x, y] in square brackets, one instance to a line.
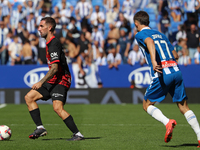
[83, 9]
[5, 8]
[166, 75]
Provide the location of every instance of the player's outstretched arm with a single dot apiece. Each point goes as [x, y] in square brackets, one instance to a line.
[48, 76]
[152, 50]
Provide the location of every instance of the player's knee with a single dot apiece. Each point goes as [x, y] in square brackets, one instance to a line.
[28, 98]
[144, 106]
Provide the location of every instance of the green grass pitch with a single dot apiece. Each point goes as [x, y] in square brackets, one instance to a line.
[105, 127]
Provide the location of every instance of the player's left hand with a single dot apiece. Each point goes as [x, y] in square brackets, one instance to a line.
[156, 67]
[36, 85]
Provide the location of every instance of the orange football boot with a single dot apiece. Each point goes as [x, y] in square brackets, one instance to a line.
[169, 129]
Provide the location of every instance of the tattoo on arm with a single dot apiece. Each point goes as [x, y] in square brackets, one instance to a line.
[50, 73]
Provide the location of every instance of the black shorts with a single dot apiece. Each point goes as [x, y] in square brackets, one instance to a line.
[53, 91]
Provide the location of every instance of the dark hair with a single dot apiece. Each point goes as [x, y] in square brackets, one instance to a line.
[10, 31]
[95, 27]
[72, 19]
[180, 40]
[15, 36]
[165, 13]
[43, 11]
[83, 33]
[26, 41]
[142, 17]
[51, 21]
[67, 38]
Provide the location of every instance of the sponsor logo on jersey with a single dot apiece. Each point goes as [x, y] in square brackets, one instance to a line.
[54, 55]
[140, 76]
[57, 95]
[166, 64]
[35, 75]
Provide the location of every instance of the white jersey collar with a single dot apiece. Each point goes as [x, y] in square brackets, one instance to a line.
[145, 28]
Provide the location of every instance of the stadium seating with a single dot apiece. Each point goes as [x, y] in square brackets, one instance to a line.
[153, 25]
[121, 2]
[73, 2]
[106, 26]
[138, 10]
[14, 7]
[97, 2]
[174, 26]
[54, 3]
[152, 17]
[149, 10]
[132, 25]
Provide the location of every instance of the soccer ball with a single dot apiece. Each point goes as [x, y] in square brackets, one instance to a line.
[5, 132]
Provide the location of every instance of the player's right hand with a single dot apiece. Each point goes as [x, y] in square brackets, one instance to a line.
[36, 85]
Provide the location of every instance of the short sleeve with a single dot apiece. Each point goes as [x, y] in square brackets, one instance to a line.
[140, 37]
[54, 53]
[93, 16]
[89, 5]
[118, 57]
[130, 55]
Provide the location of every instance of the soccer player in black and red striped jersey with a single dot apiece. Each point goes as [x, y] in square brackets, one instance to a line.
[54, 84]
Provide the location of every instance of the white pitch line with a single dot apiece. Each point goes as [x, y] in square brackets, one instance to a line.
[2, 105]
[100, 124]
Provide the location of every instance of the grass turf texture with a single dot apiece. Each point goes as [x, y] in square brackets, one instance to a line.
[105, 127]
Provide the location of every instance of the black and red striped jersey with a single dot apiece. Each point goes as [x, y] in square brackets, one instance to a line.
[55, 54]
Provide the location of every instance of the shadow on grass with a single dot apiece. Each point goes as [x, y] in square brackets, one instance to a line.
[182, 145]
[7, 141]
[54, 139]
[92, 138]
[86, 138]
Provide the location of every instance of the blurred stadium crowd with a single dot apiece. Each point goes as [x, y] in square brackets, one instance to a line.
[96, 31]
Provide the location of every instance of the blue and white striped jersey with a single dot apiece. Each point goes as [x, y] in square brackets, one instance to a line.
[128, 6]
[163, 50]
[4, 8]
[83, 8]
